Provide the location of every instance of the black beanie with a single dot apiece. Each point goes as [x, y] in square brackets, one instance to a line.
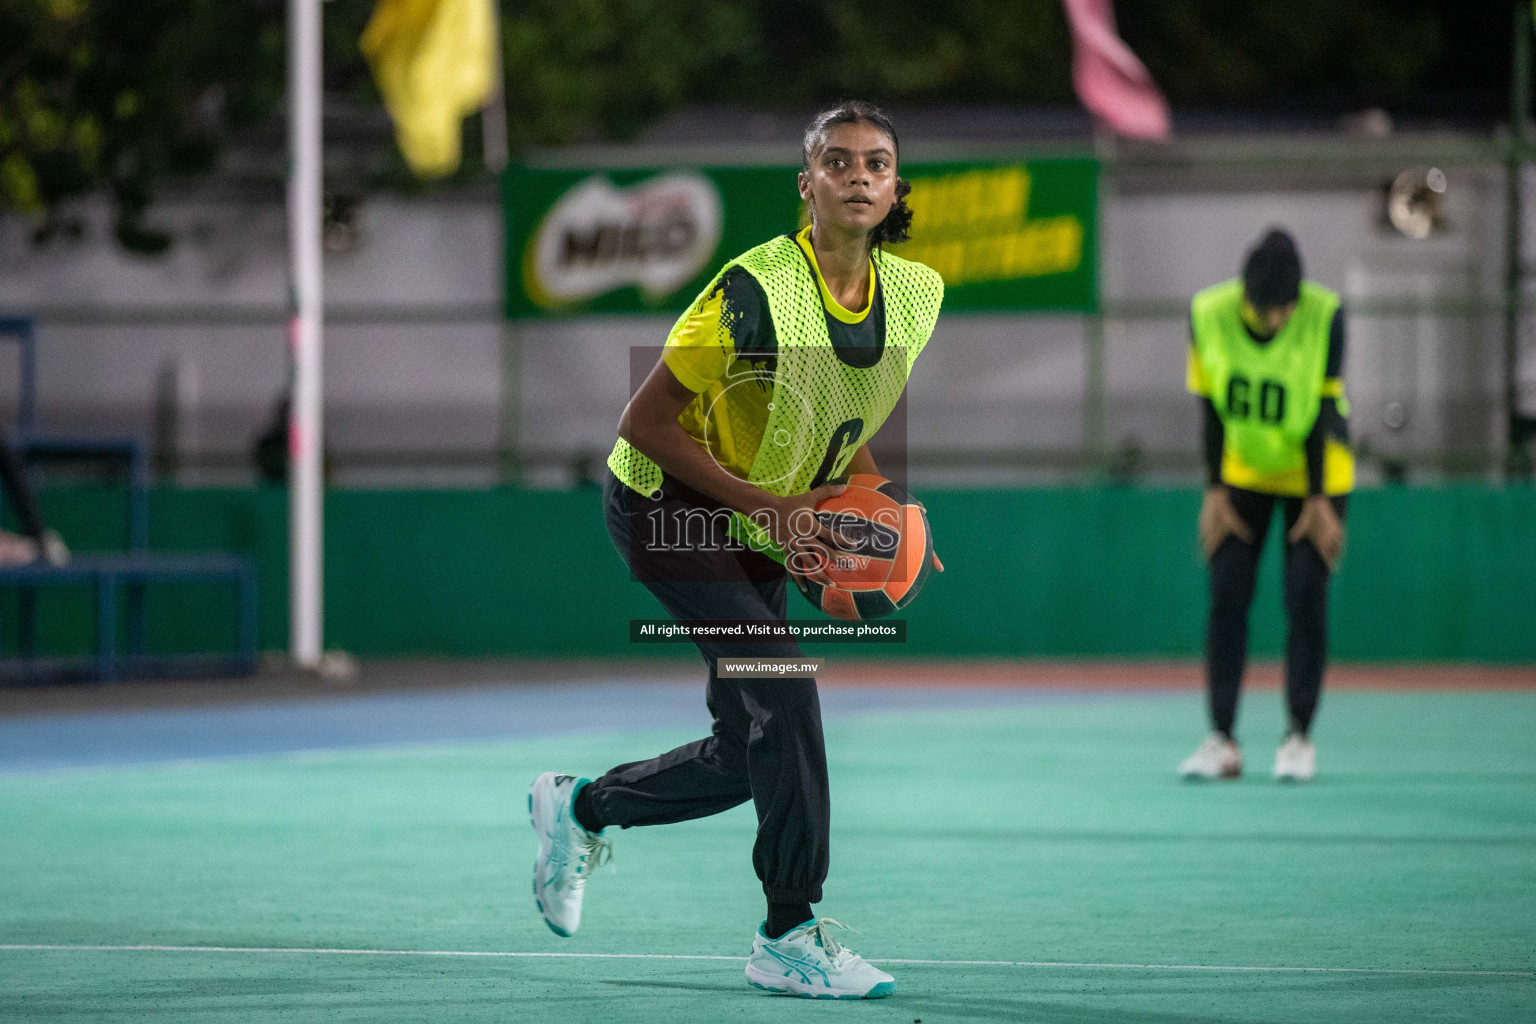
[1272, 272]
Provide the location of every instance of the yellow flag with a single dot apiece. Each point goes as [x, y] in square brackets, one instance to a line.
[434, 61]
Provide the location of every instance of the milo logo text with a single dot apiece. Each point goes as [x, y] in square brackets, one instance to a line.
[655, 236]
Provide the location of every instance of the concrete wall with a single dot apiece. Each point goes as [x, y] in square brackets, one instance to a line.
[116, 327]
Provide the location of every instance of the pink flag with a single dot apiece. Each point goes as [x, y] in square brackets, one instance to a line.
[1112, 83]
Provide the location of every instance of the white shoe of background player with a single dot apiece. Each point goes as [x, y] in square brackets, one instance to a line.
[1296, 760]
[1216, 758]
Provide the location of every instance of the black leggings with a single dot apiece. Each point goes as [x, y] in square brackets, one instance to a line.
[13, 474]
[1233, 573]
[766, 744]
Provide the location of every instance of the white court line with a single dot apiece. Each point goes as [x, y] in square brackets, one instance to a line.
[742, 959]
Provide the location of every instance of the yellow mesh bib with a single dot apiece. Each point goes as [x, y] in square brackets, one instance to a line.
[1267, 395]
[823, 408]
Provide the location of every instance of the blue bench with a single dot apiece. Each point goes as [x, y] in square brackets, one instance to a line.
[107, 573]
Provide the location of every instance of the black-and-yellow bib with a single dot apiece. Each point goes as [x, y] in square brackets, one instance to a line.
[1268, 394]
[824, 407]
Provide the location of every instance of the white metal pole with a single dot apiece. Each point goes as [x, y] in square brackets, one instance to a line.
[493, 116]
[305, 511]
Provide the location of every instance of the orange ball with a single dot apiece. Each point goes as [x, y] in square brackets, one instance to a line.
[883, 554]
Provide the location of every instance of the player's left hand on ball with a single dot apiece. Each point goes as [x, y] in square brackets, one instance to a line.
[1319, 523]
[937, 565]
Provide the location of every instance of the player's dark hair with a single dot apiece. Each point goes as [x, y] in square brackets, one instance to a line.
[1272, 271]
[895, 226]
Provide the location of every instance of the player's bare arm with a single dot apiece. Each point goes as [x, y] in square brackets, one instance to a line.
[650, 423]
[1219, 520]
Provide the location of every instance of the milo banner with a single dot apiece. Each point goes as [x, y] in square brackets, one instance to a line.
[1005, 236]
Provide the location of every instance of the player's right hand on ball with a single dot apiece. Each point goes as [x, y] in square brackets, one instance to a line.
[794, 526]
[1218, 520]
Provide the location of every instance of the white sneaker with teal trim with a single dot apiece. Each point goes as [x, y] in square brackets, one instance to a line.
[807, 961]
[567, 852]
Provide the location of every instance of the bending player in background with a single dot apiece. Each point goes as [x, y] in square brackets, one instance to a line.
[1266, 358]
[772, 383]
[37, 542]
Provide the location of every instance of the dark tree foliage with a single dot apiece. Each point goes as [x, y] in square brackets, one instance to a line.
[600, 68]
[124, 94]
[1422, 56]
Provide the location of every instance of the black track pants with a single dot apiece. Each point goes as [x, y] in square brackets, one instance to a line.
[766, 743]
[1233, 573]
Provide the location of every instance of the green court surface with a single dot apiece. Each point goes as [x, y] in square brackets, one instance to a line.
[1049, 837]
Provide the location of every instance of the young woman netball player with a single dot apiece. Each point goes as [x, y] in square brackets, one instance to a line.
[772, 383]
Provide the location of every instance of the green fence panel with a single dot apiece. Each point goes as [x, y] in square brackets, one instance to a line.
[1436, 574]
